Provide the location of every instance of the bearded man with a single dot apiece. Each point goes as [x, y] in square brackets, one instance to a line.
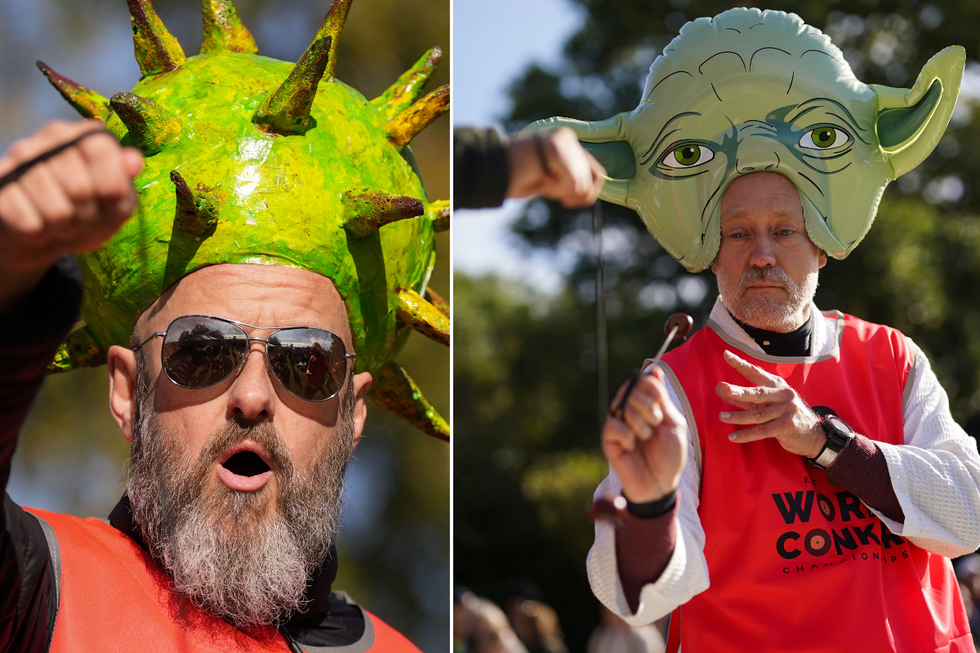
[243, 311]
[806, 462]
[234, 489]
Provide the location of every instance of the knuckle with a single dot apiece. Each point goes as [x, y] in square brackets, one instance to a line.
[19, 150]
[57, 129]
[99, 144]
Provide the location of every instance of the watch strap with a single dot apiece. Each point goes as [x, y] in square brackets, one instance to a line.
[838, 437]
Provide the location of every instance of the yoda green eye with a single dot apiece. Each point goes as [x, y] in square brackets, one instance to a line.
[687, 156]
[824, 138]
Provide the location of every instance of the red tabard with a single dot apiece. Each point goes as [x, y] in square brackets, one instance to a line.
[796, 563]
[114, 597]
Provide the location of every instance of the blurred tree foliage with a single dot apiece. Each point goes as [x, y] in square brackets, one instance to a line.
[395, 555]
[524, 369]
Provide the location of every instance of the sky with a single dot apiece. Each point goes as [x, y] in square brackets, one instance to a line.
[493, 43]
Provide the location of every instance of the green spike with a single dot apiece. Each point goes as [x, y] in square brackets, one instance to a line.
[331, 28]
[372, 210]
[151, 127]
[409, 86]
[86, 101]
[79, 351]
[438, 213]
[395, 391]
[409, 123]
[197, 211]
[423, 316]
[157, 51]
[433, 298]
[223, 30]
[287, 109]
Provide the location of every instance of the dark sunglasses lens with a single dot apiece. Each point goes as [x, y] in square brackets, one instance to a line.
[200, 351]
[310, 363]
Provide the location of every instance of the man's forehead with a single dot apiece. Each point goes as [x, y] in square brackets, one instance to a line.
[264, 295]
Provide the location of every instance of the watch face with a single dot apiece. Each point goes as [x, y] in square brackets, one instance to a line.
[839, 424]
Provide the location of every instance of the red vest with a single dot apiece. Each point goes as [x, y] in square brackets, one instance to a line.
[114, 597]
[796, 563]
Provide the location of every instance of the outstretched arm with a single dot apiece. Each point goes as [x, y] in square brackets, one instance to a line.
[487, 168]
[69, 202]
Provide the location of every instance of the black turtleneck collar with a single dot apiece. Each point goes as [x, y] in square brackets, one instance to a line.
[327, 620]
[794, 343]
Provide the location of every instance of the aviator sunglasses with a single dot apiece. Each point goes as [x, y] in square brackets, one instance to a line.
[200, 351]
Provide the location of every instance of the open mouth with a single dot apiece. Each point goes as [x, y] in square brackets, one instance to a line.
[244, 468]
[246, 463]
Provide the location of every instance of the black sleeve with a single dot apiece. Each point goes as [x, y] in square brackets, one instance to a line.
[29, 337]
[480, 170]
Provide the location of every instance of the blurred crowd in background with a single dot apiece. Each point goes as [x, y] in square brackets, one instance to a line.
[968, 574]
[526, 624]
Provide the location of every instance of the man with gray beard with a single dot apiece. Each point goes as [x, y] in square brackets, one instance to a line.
[258, 568]
[239, 396]
[797, 457]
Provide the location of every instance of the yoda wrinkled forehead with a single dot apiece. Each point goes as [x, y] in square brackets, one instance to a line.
[749, 91]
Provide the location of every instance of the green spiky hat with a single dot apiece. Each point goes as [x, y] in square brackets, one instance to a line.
[251, 160]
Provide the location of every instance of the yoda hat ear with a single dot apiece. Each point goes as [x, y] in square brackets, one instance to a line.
[912, 121]
[606, 141]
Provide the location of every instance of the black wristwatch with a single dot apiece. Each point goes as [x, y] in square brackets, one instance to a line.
[839, 435]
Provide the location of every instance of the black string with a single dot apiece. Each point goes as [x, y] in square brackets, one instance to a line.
[601, 351]
[23, 168]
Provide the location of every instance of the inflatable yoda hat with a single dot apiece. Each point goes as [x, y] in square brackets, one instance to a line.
[752, 90]
[254, 160]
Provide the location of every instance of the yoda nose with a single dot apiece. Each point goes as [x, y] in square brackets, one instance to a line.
[757, 152]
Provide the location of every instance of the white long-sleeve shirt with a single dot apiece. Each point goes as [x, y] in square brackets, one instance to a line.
[935, 475]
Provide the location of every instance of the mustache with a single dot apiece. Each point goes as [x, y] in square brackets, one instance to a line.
[769, 275]
[263, 433]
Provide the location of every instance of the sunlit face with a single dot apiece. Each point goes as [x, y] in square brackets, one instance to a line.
[766, 266]
[236, 487]
[263, 296]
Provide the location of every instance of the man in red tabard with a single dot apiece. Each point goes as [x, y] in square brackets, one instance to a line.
[793, 479]
[224, 538]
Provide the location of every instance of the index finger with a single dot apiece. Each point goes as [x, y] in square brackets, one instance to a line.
[754, 374]
[18, 163]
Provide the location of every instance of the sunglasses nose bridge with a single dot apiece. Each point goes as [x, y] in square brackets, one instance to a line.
[252, 392]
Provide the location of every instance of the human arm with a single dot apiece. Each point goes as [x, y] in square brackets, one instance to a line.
[645, 568]
[487, 168]
[932, 479]
[28, 339]
[936, 473]
[40, 292]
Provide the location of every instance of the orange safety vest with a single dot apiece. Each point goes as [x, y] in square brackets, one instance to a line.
[115, 597]
[795, 562]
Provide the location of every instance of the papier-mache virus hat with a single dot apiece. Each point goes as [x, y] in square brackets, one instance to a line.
[752, 90]
[254, 160]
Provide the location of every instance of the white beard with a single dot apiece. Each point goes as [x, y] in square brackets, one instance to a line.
[225, 549]
[765, 312]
